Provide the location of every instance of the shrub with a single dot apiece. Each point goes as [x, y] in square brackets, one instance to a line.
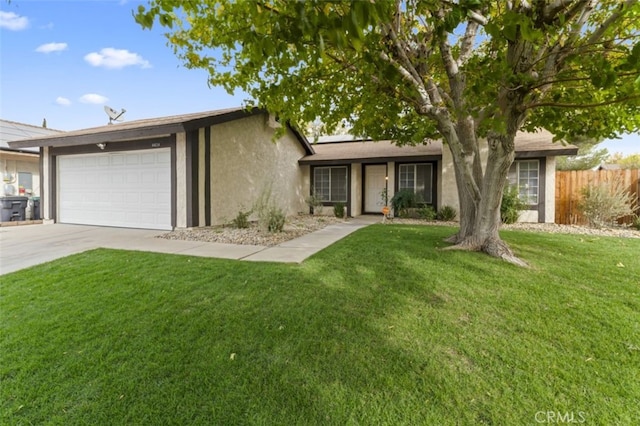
[241, 220]
[427, 213]
[276, 219]
[314, 202]
[636, 223]
[446, 214]
[270, 217]
[402, 201]
[338, 210]
[603, 203]
[511, 205]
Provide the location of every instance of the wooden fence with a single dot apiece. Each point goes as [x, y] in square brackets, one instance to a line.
[569, 184]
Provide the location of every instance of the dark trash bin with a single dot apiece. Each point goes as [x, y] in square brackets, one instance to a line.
[13, 208]
[35, 209]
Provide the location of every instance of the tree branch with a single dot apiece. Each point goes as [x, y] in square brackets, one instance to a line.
[551, 10]
[597, 34]
[466, 45]
[427, 107]
[581, 106]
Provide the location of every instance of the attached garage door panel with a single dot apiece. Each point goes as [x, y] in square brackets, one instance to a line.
[126, 189]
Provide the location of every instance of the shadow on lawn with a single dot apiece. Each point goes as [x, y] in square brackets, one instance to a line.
[335, 340]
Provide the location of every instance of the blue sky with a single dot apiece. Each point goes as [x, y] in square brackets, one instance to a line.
[65, 60]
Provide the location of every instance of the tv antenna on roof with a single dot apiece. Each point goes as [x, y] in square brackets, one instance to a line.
[113, 114]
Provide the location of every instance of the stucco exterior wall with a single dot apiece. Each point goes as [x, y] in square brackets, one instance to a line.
[12, 165]
[245, 163]
[181, 180]
[550, 191]
[447, 189]
[356, 189]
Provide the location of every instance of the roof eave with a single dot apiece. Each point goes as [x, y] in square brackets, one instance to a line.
[107, 136]
[547, 152]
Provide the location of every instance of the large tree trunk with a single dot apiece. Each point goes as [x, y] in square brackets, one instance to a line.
[480, 222]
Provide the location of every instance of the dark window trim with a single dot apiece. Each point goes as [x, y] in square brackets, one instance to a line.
[330, 203]
[434, 179]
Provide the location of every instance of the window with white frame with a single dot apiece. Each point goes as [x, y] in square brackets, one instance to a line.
[525, 175]
[330, 184]
[417, 178]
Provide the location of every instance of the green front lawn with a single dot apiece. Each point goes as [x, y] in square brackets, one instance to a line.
[381, 328]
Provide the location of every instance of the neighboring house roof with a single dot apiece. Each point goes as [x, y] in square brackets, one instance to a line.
[528, 145]
[609, 167]
[151, 127]
[13, 131]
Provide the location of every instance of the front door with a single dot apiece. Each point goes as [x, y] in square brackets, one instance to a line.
[375, 182]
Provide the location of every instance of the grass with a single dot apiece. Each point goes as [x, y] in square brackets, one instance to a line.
[381, 328]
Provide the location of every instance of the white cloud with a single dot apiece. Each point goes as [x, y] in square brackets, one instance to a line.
[52, 47]
[92, 98]
[63, 101]
[13, 22]
[116, 58]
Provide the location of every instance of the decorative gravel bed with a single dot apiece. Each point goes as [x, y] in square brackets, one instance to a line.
[552, 228]
[297, 226]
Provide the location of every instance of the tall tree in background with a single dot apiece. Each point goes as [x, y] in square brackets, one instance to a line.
[412, 70]
[589, 155]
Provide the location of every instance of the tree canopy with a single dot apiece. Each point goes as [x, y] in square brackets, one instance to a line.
[410, 70]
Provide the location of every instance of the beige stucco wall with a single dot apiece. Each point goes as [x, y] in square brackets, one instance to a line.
[356, 189]
[245, 163]
[12, 164]
[447, 189]
[550, 191]
[181, 180]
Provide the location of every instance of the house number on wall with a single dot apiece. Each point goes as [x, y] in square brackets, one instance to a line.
[155, 145]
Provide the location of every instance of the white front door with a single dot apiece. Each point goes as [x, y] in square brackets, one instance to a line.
[129, 189]
[375, 183]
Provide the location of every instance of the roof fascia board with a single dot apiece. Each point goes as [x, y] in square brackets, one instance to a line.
[370, 160]
[108, 136]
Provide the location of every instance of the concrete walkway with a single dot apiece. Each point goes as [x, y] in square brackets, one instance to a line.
[25, 246]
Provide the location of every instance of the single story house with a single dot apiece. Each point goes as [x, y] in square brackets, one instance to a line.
[202, 169]
[20, 167]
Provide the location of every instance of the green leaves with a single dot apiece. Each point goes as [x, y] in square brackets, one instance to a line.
[326, 59]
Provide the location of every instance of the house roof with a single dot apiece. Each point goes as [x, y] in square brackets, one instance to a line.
[13, 131]
[148, 128]
[528, 145]
[370, 152]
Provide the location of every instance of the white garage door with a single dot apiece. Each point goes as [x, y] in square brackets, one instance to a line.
[129, 189]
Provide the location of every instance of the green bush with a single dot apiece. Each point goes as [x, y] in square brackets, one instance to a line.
[427, 213]
[636, 223]
[603, 203]
[402, 201]
[338, 210]
[270, 217]
[314, 202]
[276, 220]
[241, 220]
[511, 205]
[446, 214]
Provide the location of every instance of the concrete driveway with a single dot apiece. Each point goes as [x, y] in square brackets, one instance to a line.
[29, 245]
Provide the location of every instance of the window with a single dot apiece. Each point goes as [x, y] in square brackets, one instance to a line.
[330, 184]
[417, 178]
[525, 175]
[25, 183]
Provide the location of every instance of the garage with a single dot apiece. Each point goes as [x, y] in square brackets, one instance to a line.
[129, 189]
